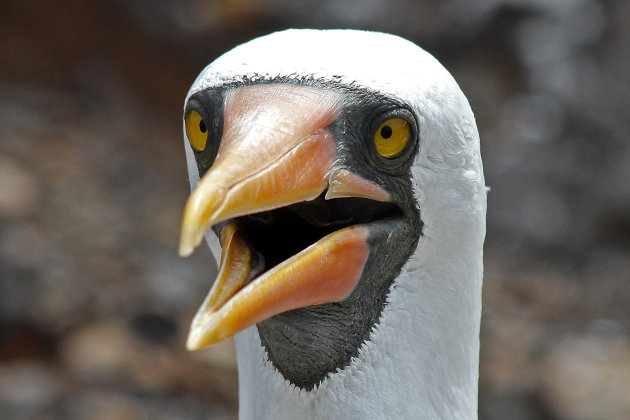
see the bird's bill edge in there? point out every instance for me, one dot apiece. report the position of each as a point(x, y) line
point(325, 272)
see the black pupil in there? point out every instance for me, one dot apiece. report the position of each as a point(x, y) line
point(386, 132)
point(202, 126)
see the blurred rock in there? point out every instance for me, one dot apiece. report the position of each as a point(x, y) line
point(107, 352)
point(18, 189)
point(28, 388)
point(113, 352)
point(104, 405)
point(95, 303)
point(98, 351)
point(99, 404)
point(586, 377)
point(173, 283)
point(509, 357)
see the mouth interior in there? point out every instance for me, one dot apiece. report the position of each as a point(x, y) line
point(281, 233)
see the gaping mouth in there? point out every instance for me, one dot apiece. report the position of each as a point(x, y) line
point(300, 255)
point(279, 234)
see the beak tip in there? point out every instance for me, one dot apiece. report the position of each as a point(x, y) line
point(192, 344)
point(200, 337)
point(184, 251)
point(188, 242)
point(195, 340)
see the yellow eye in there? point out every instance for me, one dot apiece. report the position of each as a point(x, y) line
point(196, 130)
point(391, 137)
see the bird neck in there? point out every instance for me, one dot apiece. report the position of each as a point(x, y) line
point(421, 360)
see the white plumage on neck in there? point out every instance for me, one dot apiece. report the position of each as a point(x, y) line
point(421, 360)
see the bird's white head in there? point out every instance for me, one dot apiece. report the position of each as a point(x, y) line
point(341, 172)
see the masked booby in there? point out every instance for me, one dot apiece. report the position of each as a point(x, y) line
point(338, 176)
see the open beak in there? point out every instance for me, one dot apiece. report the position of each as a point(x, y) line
point(276, 151)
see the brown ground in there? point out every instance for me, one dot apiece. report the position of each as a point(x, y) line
point(95, 303)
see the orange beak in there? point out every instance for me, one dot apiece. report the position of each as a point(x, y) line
point(276, 150)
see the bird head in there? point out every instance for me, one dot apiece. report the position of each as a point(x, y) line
point(321, 161)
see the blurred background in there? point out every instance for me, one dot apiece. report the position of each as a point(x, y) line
point(94, 301)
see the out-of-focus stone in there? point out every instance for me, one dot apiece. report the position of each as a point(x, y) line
point(25, 385)
point(24, 245)
point(587, 377)
point(508, 357)
point(18, 189)
point(172, 283)
point(104, 405)
point(98, 351)
point(109, 352)
point(93, 182)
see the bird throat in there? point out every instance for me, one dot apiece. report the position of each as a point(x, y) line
point(306, 345)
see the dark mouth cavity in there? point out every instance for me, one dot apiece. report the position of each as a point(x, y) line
point(281, 233)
